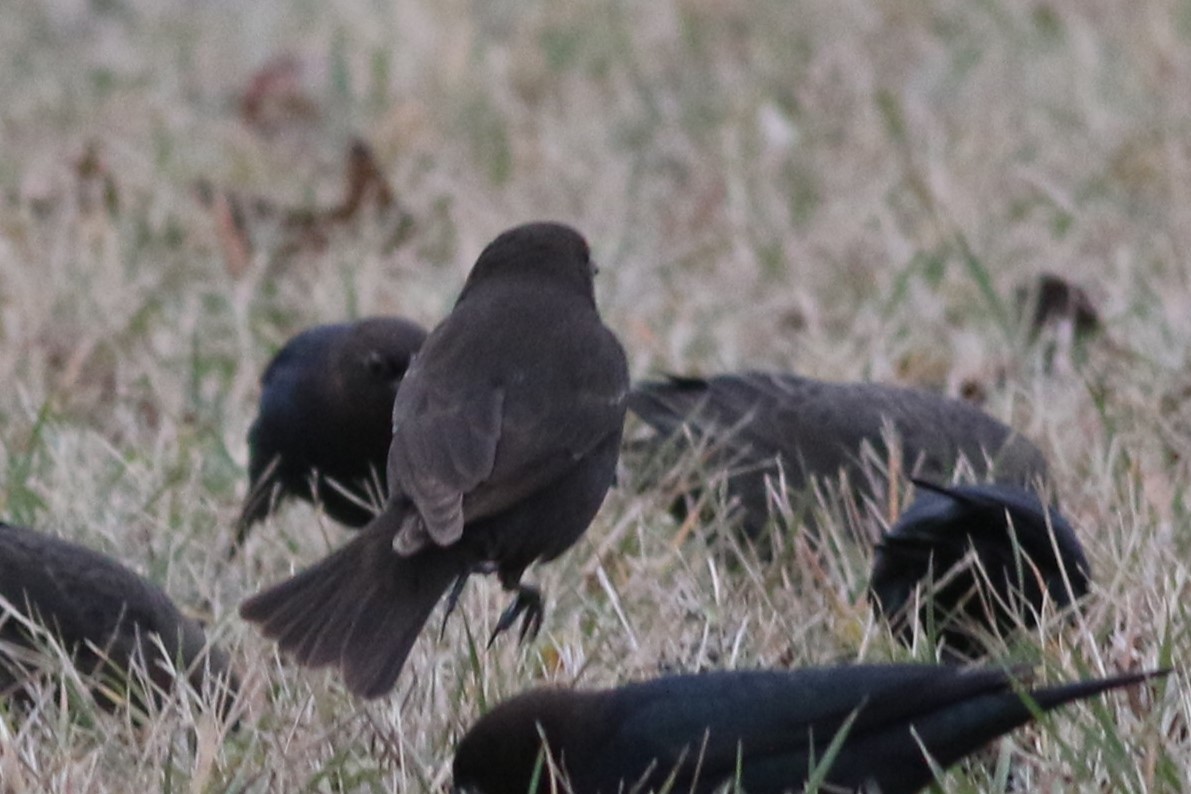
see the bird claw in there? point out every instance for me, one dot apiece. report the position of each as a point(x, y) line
point(453, 601)
point(528, 606)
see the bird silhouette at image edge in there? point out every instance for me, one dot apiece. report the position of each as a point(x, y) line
point(108, 619)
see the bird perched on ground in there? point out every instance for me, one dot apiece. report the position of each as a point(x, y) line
point(769, 731)
point(506, 432)
point(975, 559)
point(759, 427)
point(325, 420)
point(1050, 301)
point(108, 619)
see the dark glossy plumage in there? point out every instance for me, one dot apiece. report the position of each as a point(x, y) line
point(757, 425)
point(702, 729)
point(88, 602)
point(506, 433)
point(325, 421)
point(1028, 553)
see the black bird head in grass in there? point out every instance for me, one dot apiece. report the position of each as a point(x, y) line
point(969, 560)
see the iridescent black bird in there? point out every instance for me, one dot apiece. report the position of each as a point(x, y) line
point(105, 617)
point(767, 731)
point(507, 429)
point(975, 559)
point(762, 427)
point(325, 420)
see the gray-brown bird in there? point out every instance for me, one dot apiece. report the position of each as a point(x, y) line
point(767, 731)
point(325, 421)
point(506, 432)
point(759, 427)
point(107, 618)
point(970, 560)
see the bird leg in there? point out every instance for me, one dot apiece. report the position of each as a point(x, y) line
point(453, 600)
point(457, 591)
point(528, 605)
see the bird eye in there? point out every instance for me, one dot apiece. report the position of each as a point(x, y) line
point(378, 366)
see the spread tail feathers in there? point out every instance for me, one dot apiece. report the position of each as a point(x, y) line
point(361, 608)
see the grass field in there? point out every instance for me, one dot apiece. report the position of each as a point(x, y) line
point(851, 190)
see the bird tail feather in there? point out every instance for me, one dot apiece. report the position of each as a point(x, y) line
point(361, 608)
point(1052, 697)
point(960, 730)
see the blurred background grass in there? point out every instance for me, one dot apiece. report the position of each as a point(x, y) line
point(846, 189)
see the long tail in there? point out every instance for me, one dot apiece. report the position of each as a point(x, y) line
point(665, 405)
point(361, 608)
point(959, 730)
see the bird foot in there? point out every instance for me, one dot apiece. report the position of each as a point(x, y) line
point(453, 601)
point(457, 591)
point(528, 606)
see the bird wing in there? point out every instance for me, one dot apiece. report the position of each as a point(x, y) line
point(538, 447)
point(821, 425)
point(466, 446)
point(1033, 522)
point(760, 415)
point(726, 413)
point(443, 447)
point(718, 406)
point(774, 724)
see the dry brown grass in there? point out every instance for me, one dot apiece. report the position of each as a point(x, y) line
point(847, 189)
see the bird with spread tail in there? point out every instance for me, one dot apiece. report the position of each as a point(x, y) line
point(871, 728)
point(506, 433)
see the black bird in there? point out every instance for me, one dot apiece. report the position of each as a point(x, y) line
point(1050, 301)
point(768, 730)
point(975, 559)
point(325, 421)
point(507, 429)
point(760, 426)
point(106, 617)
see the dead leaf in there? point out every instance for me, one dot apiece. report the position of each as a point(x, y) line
point(230, 228)
point(240, 220)
point(95, 185)
point(276, 97)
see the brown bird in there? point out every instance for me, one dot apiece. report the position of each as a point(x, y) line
point(108, 619)
point(325, 420)
point(757, 731)
point(761, 427)
point(506, 432)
